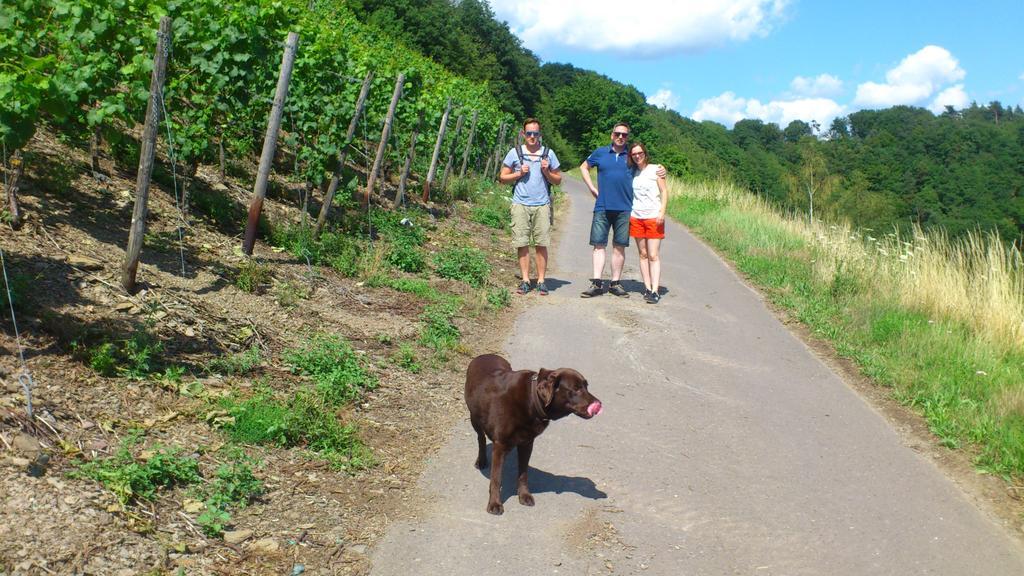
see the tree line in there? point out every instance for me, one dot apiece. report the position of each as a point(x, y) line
point(962, 170)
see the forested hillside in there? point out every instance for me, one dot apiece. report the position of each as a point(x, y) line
point(962, 170)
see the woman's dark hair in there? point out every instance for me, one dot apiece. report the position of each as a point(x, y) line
point(629, 156)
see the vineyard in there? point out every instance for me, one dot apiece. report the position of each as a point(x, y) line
point(175, 398)
point(83, 69)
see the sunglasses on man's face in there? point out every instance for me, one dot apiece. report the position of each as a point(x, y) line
point(620, 134)
point(532, 133)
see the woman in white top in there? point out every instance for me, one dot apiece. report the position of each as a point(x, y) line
point(647, 221)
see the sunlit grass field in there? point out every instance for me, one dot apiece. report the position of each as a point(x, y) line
point(940, 322)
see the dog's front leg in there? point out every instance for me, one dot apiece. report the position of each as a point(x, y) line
point(525, 449)
point(497, 461)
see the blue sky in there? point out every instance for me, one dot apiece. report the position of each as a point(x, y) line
point(780, 60)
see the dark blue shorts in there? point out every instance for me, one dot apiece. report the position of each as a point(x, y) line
point(616, 220)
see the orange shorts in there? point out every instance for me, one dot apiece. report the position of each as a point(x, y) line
point(646, 228)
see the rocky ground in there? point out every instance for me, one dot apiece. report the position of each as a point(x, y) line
point(311, 516)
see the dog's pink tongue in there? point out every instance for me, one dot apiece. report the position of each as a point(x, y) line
point(594, 409)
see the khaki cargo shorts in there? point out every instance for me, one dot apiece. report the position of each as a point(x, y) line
point(531, 225)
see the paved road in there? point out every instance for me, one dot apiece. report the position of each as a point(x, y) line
point(725, 447)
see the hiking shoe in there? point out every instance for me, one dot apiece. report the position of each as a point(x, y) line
point(596, 289)
point(542, 289)
point(617, 289)
point(523, 288)
point(652, 297)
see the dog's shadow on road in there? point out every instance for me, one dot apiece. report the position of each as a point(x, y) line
point(540, 481)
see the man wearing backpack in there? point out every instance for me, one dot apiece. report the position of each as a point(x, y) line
point(532, 169)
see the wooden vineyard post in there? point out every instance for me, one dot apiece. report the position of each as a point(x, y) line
point(147, 151)
point(491, 153)
point(13, 183)
point(400, 195)
point(497, 151)
point(340, 164)
point(259, 191)
point(384, 135)
point(437, 151)
point(451, 152)
point(220, 151)
point(469, 144)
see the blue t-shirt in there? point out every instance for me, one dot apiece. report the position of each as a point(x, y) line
point(614, 179)
point(531, 190)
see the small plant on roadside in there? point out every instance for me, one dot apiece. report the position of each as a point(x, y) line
point(102, 359)
point(415, 286)
point(491, 216)
point(132, 358)
point(466, 264)
point(406, 256)
point(288, 294)
point(499, 298)
point(252, 276)
point(138, 356)
point(236, 364)
point(305, 419)
point(332, 248)
point(233, 486)
point(462, 188)
point(335, 368)
point(405, 358)
point(133, 478)
point(172, 374)
point(439, 333)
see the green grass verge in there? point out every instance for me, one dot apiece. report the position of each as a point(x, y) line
point(967, 389)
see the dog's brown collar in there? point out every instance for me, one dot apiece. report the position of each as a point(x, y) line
point(535, 400)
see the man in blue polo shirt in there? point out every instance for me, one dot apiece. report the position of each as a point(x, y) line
point(613, 203)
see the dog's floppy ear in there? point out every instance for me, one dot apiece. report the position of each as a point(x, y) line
point(547, 381)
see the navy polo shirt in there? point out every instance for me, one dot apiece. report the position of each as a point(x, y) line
point(614, 179)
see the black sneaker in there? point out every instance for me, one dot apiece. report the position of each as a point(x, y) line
point(596, 289)
point(617, 289)
point(523, 288)
point(652, 297)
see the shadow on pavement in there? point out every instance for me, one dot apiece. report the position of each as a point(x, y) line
point(541, 482)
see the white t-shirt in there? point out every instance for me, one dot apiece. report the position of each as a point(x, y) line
point(646, 194)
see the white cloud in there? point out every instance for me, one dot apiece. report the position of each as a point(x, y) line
point(913, 81)
point(953, 96)
point(728, 109)
point(825, 85)
point(653, 27)
point(664, 98)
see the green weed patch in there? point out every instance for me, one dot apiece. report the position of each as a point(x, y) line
point(335, 368)
point(132, 478)
point(466, 264)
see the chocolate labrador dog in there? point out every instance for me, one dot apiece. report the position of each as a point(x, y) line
point(514, 407)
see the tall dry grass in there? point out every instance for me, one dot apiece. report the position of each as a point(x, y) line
point(977, 280)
